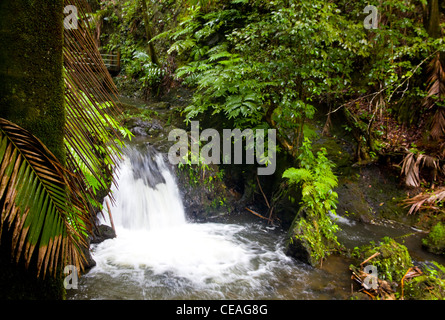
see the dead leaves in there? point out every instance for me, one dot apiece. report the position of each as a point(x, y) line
point(412, 165)
point(383, 289)
point(425, 201)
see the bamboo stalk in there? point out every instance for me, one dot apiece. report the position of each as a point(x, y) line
point(109, 214)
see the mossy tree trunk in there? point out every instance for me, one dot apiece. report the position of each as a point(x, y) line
point(32, 96)
point(149, 34)
point(31, 68)
point(432, 18)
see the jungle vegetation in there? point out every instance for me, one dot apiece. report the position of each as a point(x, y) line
point(254, 63)
point(277, 64)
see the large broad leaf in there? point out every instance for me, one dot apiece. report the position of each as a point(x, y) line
point(40, 202)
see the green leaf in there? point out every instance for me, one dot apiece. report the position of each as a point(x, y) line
point(38, 191)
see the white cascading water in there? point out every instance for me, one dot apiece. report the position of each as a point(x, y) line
point(148, 198)
point(158, 254)
point(152, 231)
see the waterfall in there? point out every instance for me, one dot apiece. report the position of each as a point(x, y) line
point(147, 197)
point(158, 254)
point(152, 230)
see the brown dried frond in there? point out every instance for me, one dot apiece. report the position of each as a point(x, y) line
point(413, 163)
point(425, 201)
point(438, 125)
point(436, 93)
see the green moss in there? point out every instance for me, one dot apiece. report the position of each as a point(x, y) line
point(31, 60)
point(32, 96)
point(426, 282)
point(310, 244)
point(428, 286)
point(435, 240)
point(392, 262)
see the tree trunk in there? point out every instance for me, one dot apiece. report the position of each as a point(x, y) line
point(32, 96)
point(149, 34)
point(31, 69)
point(282, 139)
point(432, 22)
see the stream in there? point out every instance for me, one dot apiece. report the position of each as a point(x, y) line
point(159, 255)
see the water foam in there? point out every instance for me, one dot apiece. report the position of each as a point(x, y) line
point(152, 231)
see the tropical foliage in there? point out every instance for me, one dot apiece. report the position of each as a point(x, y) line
point(255, 64)
point(47, 206)
point(314, 225)
point(265, 68)
point(41, 203)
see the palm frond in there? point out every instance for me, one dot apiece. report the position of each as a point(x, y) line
point(410, 169)
point(92, 137)
point(435, 94)
point(438, 124)
point(41, 203)
point(412, 165)
point(44, 204)
point(425, 201)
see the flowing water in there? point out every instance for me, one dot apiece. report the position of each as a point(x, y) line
point(158, 254)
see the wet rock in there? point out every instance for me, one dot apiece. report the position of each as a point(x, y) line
point(297, 249)
point(138, 131)
point(102, 233)
point(136, 122)
point(203, 194)
point(160, 105)
point(310, 238)
point(155, 128)
point(90, 262)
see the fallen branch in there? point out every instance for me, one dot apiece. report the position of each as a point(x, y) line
point(257, 214)
point(270, 214)
point(261, 189)
point(371, 257)
point(368, 293)
point(410, 273)
point(383, 289)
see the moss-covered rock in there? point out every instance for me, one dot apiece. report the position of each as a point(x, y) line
point(205, 193)
point(392, 261)
point(305, 243)
point(428, 286)
point(312, 238)
point(435, 240)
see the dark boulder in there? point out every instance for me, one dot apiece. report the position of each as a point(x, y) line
point(102, 233)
